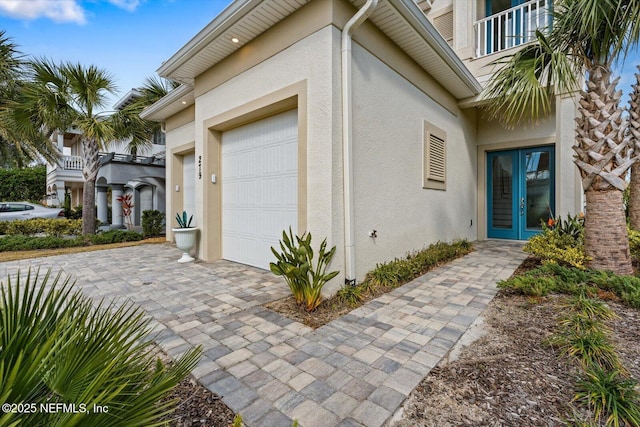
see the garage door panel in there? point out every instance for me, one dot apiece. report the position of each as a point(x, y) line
point(259, 187)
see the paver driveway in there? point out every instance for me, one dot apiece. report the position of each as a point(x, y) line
point(357, 370)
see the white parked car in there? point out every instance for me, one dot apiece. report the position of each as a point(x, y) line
point(10, 211)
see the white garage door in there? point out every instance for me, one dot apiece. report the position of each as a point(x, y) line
point(259, 187)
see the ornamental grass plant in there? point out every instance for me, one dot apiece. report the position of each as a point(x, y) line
point(57, 347)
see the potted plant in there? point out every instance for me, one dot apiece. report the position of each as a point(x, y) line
point(185, 236)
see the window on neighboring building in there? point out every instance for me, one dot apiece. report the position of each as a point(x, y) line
point(159, 138)
point(434, 157)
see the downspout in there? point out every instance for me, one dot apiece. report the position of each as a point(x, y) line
point(347, 149)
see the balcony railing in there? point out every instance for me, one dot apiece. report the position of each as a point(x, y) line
point(73, 163)
point(512, 27)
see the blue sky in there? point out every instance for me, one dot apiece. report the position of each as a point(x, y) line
point(128, 38)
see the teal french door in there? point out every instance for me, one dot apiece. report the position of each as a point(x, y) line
point(520, 191)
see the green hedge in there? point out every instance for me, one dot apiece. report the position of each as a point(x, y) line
point(51, 227)
point(23, 184)
point(27, 243)
point(115, 236)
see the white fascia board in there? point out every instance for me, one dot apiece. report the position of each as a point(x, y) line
point(158, 111)
point(228, 17)
point(133, 93)
point(418, 20)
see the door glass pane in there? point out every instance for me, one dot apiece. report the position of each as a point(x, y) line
point(502, 191)
point(538, 187)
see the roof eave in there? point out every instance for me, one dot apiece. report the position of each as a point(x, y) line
point(419, 22)
point(229, 16)
point(170, 104)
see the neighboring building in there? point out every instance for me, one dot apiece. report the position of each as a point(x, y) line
point(255, 133)
point(142, 175)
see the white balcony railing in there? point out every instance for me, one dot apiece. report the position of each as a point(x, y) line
point(512, 27)
point(73, 163)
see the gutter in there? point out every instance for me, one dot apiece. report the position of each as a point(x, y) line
point(347, 140)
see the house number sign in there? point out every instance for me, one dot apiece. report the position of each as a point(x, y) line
point(199, 167)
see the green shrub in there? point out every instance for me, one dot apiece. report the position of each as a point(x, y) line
point(152, 223)
point(611, 396)
point(51, 227)
point(115, 236)
point(590, 347)
point(27, 243)
point(75, 213)
point(352, 296)
point(399, 271)
point(295, 263)
point(573, 281)
point(634, 243)
point(560, 242)
point(58, 348)
point(4, 226)
point(23, 184)
point(63, 227)
point(572, 226)
point(26, 227)
point(530, 285)
point(552, 247)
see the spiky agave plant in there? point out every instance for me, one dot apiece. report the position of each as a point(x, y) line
point(184, 221)
point(57, 348)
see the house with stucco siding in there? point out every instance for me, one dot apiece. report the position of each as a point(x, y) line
point(359, 122)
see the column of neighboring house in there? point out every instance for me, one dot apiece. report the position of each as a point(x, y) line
point(60, 185)
point(117, 220)
point(102, 204)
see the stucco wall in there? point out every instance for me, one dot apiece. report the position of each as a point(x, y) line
point(307, 62)
point(178, 140)
point(389, 113)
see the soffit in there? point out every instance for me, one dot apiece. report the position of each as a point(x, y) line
point(401, 20)
point(244, 20)
point(407, 26)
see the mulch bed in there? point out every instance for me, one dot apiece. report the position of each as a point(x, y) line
point(198, 407)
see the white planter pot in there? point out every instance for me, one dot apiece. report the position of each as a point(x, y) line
point(185, 241)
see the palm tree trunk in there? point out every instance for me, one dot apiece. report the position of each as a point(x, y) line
point(603, 157)
point(606, 240)
point(634, 130)
point(89, 207)
point(90, 154)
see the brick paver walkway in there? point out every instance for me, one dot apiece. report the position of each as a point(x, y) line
point(356, 370)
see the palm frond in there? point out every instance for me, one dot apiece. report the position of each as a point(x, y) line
point(522, 89)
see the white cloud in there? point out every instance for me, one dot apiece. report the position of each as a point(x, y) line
point(56, 10)
point(129, 5)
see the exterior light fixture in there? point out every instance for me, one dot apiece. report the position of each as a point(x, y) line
point(234, 39)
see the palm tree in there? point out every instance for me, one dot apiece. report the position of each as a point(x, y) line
point(634, 131)
point(128, 118)
point(587, 36)
point(65, 96)
point(19, 145)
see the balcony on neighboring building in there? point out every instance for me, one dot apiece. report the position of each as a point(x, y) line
point(511, 27)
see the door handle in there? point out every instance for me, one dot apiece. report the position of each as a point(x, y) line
point(522, 206)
